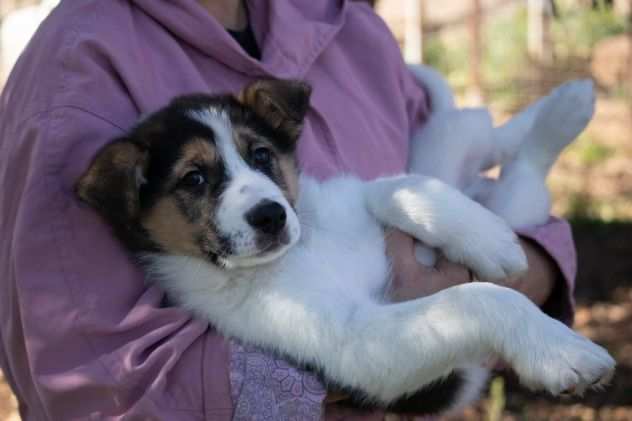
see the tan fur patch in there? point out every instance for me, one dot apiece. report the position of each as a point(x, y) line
point(287, 165)
point(274, 101)
point(114, 170)
point(197, 151)
point(170, 229)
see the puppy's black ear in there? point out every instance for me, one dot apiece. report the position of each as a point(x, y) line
point(111, 185)
point(281, 103)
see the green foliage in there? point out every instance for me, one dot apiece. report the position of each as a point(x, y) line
point(496, 403)
point(435, 55)
point(590, 151)
point(594, 153)
point(448, 58)
point(621, 91)
point(505, 53)
point(505, 59)
point(579, 29)
point(581, 207)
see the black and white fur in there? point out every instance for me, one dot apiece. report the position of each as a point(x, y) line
point(308, 281)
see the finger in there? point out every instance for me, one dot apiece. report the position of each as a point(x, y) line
point(399, 244)
point(400, 248)
point(453, 270)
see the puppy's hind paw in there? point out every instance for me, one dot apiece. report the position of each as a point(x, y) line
point(565, 114)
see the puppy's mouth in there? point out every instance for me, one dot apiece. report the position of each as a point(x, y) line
point(268, 249)
point(271, 244)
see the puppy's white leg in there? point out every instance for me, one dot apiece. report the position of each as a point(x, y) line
point(554, 120)
point(441, 96)
point(442, 217)
point(520, 195)
point(508, 137)
point(389, 350)
point(452, 146)
point(476, 377)
point(561, 118)
point(431, 336)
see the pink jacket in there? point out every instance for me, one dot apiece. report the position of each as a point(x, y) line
point(82, 335)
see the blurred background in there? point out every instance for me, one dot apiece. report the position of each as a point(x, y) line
point(504, 54)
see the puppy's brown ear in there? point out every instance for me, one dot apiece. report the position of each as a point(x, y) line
point(282, 103)
point(111, 185)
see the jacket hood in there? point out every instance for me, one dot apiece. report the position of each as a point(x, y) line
point(290, 33)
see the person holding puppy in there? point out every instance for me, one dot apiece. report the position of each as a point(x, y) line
point(82, 334)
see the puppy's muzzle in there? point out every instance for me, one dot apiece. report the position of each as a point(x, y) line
point(267, 217)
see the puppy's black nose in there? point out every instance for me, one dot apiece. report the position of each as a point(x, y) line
point(267, 216)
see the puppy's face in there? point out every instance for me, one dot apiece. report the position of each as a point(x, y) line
point(211, 177)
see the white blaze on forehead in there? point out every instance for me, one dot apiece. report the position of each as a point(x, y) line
point(246, 188)
point(219, 122)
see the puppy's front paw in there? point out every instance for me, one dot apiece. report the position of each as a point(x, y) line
point(562, 361)
point(488, 246)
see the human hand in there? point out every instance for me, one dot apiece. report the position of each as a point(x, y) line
point(537, 283)
point(413, 280)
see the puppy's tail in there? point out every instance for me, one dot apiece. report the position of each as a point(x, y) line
point(449, 395)
point(475, 379)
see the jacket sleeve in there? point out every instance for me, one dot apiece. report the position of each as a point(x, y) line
point(555, 238)
point(99, 342)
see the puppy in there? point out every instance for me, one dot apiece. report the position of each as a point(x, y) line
point(206, 193)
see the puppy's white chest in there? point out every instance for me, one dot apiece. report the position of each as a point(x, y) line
point(341, 239)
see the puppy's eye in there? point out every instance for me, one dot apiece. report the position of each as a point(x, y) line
point(261, 157)
point(193, 178)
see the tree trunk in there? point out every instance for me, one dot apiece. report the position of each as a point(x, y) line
point(476, 91)
point(413, 31)
point(623, 7)
point(539, 31)
point(629, 75)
